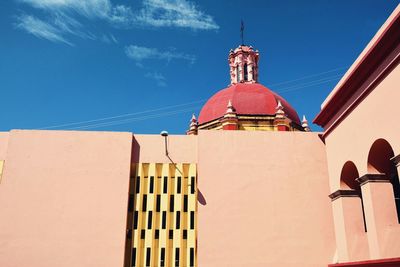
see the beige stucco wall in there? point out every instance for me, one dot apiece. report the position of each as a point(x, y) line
point(263, 197)
point(149, 148)
point(265, 200)
point(63, 199)
point(375, 117)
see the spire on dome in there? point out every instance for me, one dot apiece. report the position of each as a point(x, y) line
point(304, 124)
point(279, 112)
point(230, 108)
point(230, 119)
point(193, 126)
point(243, 63)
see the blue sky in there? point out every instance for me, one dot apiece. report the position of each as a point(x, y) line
point(147, 65)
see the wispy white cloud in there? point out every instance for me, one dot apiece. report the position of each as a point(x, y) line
point(140, 53)
point(92, 9)
point(64, 18)
point(175, 13)
point(158, 77)
point(109, 39)
point(61, 20)
point(68, 25)
point(41, 29)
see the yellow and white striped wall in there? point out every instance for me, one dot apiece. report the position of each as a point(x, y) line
point(162, 215)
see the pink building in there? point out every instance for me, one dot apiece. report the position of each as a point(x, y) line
point(249, 185)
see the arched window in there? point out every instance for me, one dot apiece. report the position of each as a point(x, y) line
point(348, 181)
point(379, 162)
point(245, 72)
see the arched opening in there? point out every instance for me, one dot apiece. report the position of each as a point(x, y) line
point(348, 177)
point(379, 161)
point(348, 181)
point(245, 72)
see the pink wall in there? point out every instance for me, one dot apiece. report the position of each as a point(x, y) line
point(372, 114)
point(374, 118)
point(265, 200)
point(151, 148)
point(352, 140)
point(63, 199)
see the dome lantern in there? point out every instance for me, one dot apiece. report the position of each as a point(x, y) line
point(243, 63)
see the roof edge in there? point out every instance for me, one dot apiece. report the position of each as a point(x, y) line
point(373, 54)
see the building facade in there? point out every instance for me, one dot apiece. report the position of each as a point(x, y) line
point(249, 185)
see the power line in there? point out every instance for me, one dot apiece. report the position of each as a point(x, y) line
point(311, 83)
point(122, 115)
point(308, 76)
point(90, 126)
point(109, 121)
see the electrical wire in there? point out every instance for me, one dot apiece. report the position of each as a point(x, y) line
point(115, 120)
point(122, 115)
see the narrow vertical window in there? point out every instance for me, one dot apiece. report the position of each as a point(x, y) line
point(237, 74)
point(130, 203)
point(192, 184)
point(144, 204)
point(135, 220)
point(162, 257)
point(165, 187)
point(148, 256)
point(191, 257)
point(156, 234)
point(164, 219)
point(192, 220)
point(171, 234)
point(178, 220)
point(185, 203)
point(176, 257)
point(151, 186)
point(245, 72)
point(138, 184)
point(150, 220)
point(134, 257)
point(171, 203)
point(158, 203)
point(179, 185)
point(142, 234)
point(184, 234)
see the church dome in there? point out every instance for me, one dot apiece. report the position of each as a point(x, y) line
point(245, 104)
point(247, 99)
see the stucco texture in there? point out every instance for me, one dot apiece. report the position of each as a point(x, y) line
point(263, 200)
point(63, 199)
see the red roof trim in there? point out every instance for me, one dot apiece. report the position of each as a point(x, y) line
point(392, 262)
point(382, 48)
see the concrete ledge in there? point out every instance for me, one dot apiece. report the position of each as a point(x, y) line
point(393, 262)
point(373, 178)
point(343, 193)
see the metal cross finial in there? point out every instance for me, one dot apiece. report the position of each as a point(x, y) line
point(242, 31)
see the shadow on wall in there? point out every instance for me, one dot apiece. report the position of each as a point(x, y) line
point(135, 155)
point(135, 151)
point(201, 198)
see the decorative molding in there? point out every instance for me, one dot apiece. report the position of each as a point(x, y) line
point(390, 262)
point(396, 160)
point(373, 178)
point(344, 193)
point(369, 70)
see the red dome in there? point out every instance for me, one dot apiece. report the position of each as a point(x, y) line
point(247, 99)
